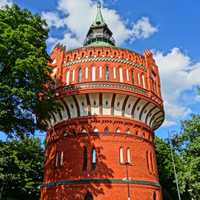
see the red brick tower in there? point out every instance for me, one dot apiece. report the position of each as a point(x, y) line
point(100, 145)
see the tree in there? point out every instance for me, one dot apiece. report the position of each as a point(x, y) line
point(187, 160)
point(24, 73)
point(21, 169)
point(188, 145)
point(165, 168)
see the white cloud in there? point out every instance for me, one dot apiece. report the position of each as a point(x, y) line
point(178, 74)
point(143, 29)
point(168, 123)
point(3, 3)
point(79, 15)
point(53, 19)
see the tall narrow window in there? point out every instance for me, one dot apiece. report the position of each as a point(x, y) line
point(85, 158)
point(83, 130)
point(139, 82)
point(147, 159)
point(88, 196)
point(133, 77)
point(127, 74)
point(152, 163)
point(107, 73)
point(121, 158)
point(57, 159)
point(73, 75)
point(154, 196)
point(128, 155)
point(95, 130)
point(93, 73)
point(61, 158)
point(153, 82)
point(80, 75)
point(114, 72)
point(120, 74)
point(86, 73)
point(94, 158)
point(106, 130)
point(100, 72)
point(117, 130)
point(67, 78)
point(143, 81)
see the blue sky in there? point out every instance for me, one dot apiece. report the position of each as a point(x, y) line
point(169, 28)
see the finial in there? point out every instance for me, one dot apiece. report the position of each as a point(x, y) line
point(98, 4)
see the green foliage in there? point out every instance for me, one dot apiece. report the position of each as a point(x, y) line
point(165, 168)
point(187, 161)
point(188, 145)
point(23, 72)
point(21, 164)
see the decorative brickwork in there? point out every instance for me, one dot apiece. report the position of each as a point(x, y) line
point(100, 144)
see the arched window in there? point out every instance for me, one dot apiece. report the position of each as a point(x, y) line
point(96, 130)
point(100, 72)
point(128, 155)
point(85, 158)
point(143, 81)
point(57, 159)
point(106, 130)
point(153, 82)
point(88, 196)
point(80, 75)
point(107, 73)
point(152, 162)
point(117, 130)
point(114, 72)
point(61, 158)
point(133, 77)
point(139, 82)
point(154, 196)
point(128, 131)
point(73, 75)
point(94, 158)
point(93, 73)
point(86, 73)
point(120, 74)
point(67, 77)
point(127, 74)
point(83, 130)
point(121, 158)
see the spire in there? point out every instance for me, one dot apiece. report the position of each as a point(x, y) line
point(99, 34)
point(99, 18)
